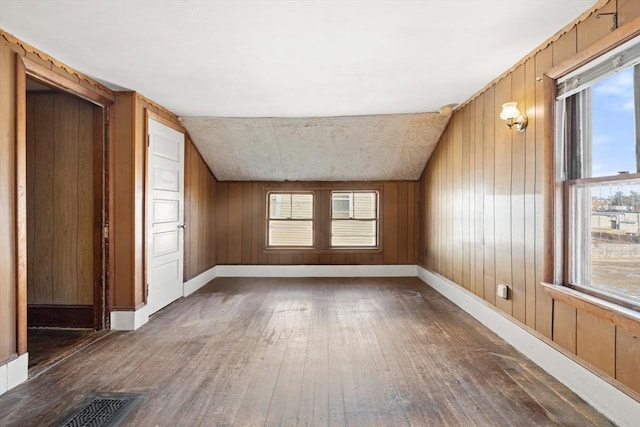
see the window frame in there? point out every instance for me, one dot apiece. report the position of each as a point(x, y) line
point(567, 178)
point(375, 218)
point(321, 220)
point(268, 219)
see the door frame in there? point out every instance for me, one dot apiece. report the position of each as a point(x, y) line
point(26, 67)
point(151, 115)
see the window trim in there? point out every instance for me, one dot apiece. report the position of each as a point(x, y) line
point(322, 218)
point(376, 218)
point(560, 210)
point(268, 219)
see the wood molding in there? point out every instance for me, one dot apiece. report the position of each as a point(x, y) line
point(609, 42)
point(21, 205)
point(621, 316)
point(172, 120)
point(61, 316)
point(49, 78)
point(25, 49)
point(173, 124)
point(534, 52)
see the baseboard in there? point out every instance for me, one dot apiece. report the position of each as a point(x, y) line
point(60, 316)
point(603, 396)
point(129, 320)
point(316, 271)
point(192, 285)
point(14, 373)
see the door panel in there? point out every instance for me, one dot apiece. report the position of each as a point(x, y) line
point(165, 215)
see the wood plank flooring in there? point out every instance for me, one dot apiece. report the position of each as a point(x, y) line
point(307, 352)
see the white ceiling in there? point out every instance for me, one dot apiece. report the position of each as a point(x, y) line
point(256, 59)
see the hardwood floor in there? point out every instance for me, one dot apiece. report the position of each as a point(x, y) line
point(308, 352)
point(47, 346)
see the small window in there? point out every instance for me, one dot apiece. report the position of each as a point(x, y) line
point(290, 219)
point(354, 219)
point(598, 128)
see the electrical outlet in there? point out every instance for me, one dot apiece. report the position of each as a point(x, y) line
point(503, 291)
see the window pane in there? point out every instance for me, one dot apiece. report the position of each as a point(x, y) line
point(353, 233)
point(290, 206)
point(302, 206)
point(605, 244)
point(279, 206)
point(613, 125)
point(341, 205)
point(364, 205)
point(290, 233)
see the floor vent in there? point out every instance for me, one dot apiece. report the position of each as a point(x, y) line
point(101, 410)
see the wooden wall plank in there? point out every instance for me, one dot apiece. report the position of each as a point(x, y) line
point(40, 274)
point(529, 195)
point(456, 202)
point(488, 166)
point(247, 222)
point(403, 217)
point(465, 214)
point(565, 46)
point(627, 10)
point(193, 213)
point(31, 148)
point(564, 325)
point(471, 244)
point(390, 222)
point(65, 203)
point(502, 196)
point(222, 213)
point(592, 29)
point(627, 351)
point(86, 203)
point(518, 150)
point(596, 342)
point(478, 189)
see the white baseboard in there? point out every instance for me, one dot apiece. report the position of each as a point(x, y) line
point(192, 285)
point(129, 320)
point(14, 373)
point(604, 397)
point(316, 271)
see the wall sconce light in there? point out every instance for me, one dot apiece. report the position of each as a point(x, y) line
point(512, 115)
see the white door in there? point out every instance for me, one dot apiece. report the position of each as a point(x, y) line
point(165, 215)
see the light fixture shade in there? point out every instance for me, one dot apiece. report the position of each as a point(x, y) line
point(509, 111)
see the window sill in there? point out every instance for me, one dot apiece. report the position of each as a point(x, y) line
point(622, 316)
point(318, 251)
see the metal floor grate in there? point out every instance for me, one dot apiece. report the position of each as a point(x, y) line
point(101, 410)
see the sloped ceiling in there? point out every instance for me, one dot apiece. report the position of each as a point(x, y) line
point(225, 65)
point(395, 147)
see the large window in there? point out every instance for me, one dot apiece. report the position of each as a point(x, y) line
point(290, 219)
point(598, 112)
point(354, 219)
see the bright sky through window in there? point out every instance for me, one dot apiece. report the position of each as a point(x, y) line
point(613, 125)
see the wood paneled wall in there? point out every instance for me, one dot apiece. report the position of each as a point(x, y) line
point(10, 300)
point(60, 199)
point(240, 224)
point(200, 202)
point(488, 198)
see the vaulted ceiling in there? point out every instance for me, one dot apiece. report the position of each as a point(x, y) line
point(293, 90)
